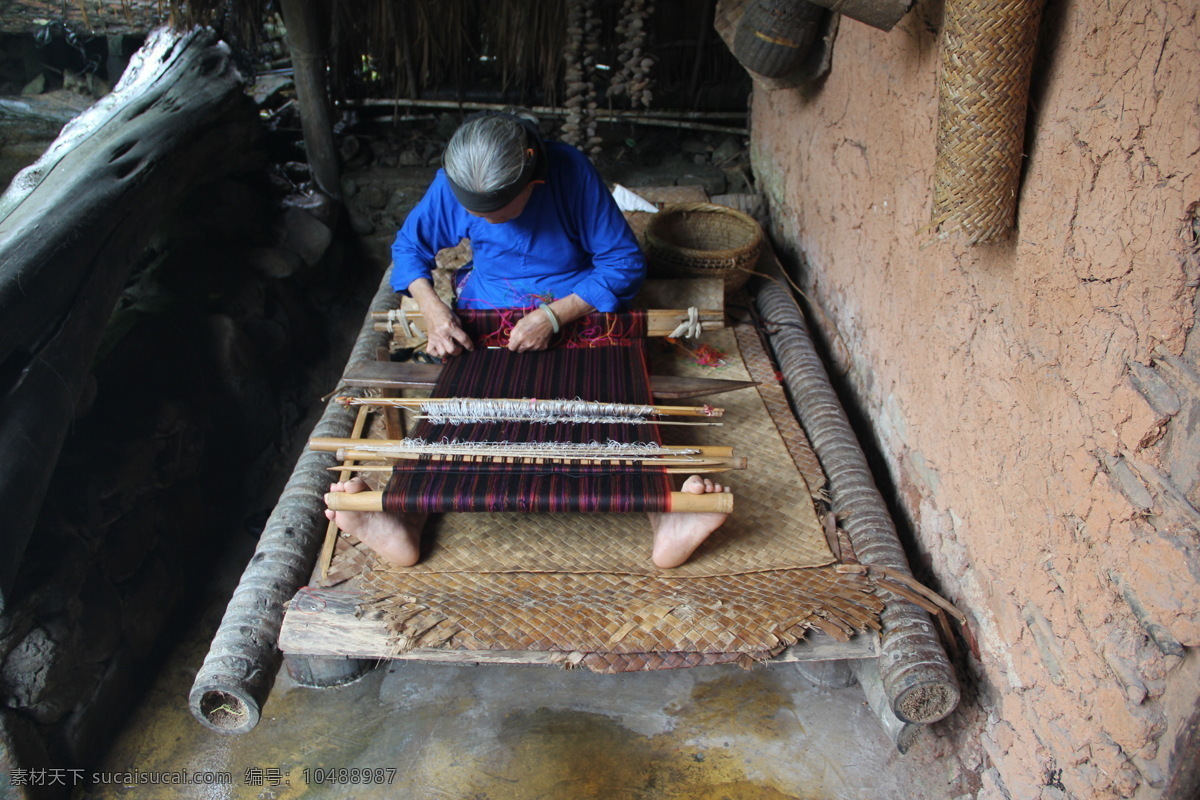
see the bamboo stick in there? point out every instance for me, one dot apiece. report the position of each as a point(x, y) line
point(418, 402)
point(334, 443)
point(711, 502)
point(693, 469)
point(331, 531)
point(735, 462)
point(659, 321)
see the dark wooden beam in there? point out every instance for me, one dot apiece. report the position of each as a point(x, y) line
point(73, 223)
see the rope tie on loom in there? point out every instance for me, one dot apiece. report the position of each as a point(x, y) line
point(690, 327)
point(395, 315)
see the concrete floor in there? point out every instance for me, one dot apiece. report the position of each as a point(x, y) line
point(497, 732)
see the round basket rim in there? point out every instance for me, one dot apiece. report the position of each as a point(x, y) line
point(679, 208)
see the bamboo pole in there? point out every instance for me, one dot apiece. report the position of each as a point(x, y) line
point(334, 443)
point(693, 469)
point(544, 405)
point(711, 502)
point(659, 321)
point(734, 462)
point(331, 530)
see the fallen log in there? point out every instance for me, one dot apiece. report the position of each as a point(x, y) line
point(236, 677)
point(73, 223)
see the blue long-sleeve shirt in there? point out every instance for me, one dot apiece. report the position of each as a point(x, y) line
point(571, 238)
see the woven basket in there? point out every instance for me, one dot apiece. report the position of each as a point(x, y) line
point(703, 240)
point(983, 95)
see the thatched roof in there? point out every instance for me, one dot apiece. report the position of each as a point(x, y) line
point(512, 49)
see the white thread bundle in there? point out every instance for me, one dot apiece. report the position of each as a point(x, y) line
point(690, 328)
point(626, 451)
point(466, 410)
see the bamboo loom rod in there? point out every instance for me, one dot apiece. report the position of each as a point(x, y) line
point(419, 402)
point(733, 462)
point(694, 469)
point(659, 322)
point(711, 502)
point(333, 443)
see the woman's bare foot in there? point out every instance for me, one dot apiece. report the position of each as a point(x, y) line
point(395, 537)
point(677, 534)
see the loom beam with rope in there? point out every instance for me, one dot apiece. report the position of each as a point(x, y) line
point(600, 362)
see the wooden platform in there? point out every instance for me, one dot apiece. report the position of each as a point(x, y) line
point(794, 603)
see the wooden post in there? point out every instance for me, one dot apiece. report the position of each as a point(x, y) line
point(306, 43)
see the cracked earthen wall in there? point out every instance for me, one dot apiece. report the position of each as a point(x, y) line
point(1035, 401)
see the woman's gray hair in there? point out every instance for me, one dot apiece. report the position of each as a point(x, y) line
point(488, 153)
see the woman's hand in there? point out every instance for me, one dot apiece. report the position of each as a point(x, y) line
point(445, 334)
point(532, 332)
point(535, 330)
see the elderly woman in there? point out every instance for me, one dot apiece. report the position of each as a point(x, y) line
point(546, 236)
point(545, 233)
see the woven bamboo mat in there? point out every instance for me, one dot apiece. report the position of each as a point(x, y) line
point(774, 524)
point(584, 585)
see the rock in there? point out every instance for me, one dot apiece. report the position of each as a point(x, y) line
point(349, 187)
point(146, 605)
point(694, 146)
point(127, 542)
point(712, 179)
point(35, 86)
point(447, 124)
point(320, 205)
point(275, 262)
point(372, 197)
point(410, 158)
point(361, 223)
point(729, 149)
point(305, 235)
point(26, 670)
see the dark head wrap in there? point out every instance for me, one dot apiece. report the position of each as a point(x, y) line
point(534, 169)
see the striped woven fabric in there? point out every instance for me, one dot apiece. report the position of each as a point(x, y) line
point(490, 328)
point(590, 363)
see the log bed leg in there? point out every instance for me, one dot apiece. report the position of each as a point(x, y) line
point(902, 733)
point(323, 672)
point(833, 674)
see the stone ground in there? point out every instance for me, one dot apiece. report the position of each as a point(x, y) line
point(493, 732)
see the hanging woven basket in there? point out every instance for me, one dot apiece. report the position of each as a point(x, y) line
point(703, 240)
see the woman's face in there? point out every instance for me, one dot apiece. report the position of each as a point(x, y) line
point(510, 211)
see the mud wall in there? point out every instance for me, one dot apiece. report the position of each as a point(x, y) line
point(1033, 401)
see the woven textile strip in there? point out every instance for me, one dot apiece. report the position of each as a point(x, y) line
point(601, 359)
